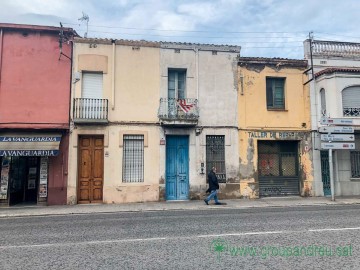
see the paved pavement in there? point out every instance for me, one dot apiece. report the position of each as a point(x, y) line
point(19, 211)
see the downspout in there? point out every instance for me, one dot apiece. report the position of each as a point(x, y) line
point(68, 132)
point(196, 50)
point(113, 75)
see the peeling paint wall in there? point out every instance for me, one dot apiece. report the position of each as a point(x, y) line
point(257, 123)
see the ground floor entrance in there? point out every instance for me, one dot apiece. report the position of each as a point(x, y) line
point(177, 167)
point(91, 169)
point(278, 167)
point(23, 180)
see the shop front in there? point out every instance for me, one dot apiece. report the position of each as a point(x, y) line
point(24, 169)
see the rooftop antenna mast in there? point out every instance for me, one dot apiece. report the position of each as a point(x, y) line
point(85, 17)
point(62, 39)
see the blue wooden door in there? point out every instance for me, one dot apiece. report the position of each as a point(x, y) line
point(177, 167)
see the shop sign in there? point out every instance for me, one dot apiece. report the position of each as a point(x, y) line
point(28, 153)
point(30, 139)
point(274, 134)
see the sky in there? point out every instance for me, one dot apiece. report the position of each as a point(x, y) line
point(263, 28)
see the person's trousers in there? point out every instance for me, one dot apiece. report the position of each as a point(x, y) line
point(213, 194)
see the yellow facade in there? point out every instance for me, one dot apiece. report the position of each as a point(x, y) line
point(264, 172)
point(132, 110)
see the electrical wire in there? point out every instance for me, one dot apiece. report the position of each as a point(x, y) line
point(194, 31)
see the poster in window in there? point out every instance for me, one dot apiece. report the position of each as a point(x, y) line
point(43, 191)
point(5, 167)
point(32, 178)
point(43, 177)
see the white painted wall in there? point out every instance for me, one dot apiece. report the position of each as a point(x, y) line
point(333, 85)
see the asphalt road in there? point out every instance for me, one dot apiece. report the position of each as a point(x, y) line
point(324, 237)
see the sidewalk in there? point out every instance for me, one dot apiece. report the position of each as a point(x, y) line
point(22, 211)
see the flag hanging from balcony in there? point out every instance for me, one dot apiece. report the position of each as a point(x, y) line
point(184, 106)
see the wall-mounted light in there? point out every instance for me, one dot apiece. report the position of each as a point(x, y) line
point(202, 168)
point(198, 131)
point(77, 76)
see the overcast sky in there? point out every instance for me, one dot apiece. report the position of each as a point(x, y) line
point(263, 28)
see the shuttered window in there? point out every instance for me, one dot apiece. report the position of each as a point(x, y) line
point(323, 101)
point(92, 85)
point(351, 101)
point(275, 98)
point(133, 158)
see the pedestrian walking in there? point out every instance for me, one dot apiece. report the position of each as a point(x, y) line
point(213, 187)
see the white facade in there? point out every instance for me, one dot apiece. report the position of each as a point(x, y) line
point(336, 67)
point(211, 79)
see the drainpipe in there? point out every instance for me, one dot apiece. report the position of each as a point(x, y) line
point(196, 50)
point(113, 75)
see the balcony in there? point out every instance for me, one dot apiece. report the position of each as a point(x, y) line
point(351, 112)
point(178, 112)
point(90, 111)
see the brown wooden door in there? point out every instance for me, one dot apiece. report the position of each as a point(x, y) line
point(91, 169)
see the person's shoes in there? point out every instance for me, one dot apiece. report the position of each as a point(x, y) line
point(220, 203)
point(207, 203)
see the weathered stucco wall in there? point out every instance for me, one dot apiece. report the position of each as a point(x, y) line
point(211, 77)
point(257, 123)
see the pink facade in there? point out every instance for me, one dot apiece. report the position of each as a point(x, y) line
point(35, 83)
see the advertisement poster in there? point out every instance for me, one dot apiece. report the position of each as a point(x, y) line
point(43, 177)
point(32, 178)
point(5, 168)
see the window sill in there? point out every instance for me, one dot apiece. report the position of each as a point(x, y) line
point(277, 109)
point(355, 179)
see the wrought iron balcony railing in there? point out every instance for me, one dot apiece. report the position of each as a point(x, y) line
point(178, 109)
point(90, 110)
point(351, 112)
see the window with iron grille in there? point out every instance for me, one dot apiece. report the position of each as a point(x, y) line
point(215, 156)
point(275, 97)
point(133, 158)
point(355, 164)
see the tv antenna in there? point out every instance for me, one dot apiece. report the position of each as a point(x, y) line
point(85, 17)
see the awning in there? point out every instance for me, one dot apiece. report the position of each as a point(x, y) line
point(34, 144)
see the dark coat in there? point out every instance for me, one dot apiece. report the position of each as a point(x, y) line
point(213, 181)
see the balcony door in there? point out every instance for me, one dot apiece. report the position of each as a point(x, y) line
point(92, 94)
point(176, 89)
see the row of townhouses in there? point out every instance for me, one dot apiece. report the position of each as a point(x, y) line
point(114, 121)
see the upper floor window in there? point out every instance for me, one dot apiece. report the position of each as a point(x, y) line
point(351, 101)
point(275, 97)
point(176, 83)
point(92, 85)
point(323, 101)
